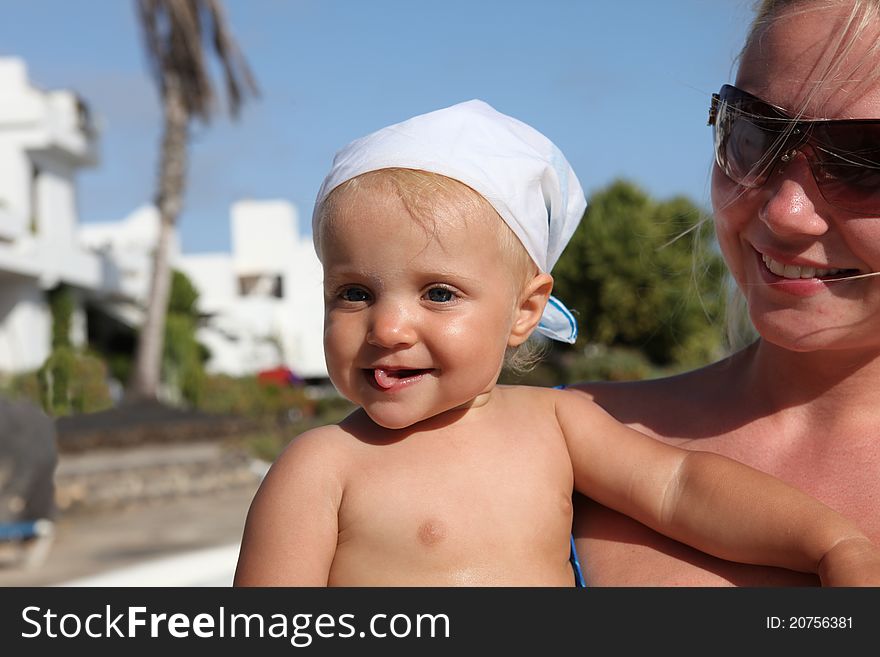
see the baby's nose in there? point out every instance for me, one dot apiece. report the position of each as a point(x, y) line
point(391, 326)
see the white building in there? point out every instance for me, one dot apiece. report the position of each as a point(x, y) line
point(45, 138)
point(263, 303)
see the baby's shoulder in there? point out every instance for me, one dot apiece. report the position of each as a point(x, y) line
point(561, 402)
point(528, 397)
point(324, 438)
point(541, 395)
point(324, 447)
point(569, 405)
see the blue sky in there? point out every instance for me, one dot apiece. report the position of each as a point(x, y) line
point(621, 87)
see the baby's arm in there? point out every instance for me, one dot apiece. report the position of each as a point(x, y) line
point(290, 533)
point(711, 502)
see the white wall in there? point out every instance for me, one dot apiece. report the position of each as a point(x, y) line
point(15, 210)
point(303, 311)
point(264, 235)
point(127, 246)
point(25, 325)
point(250, 332)
point(46, 137)
point(213, 275)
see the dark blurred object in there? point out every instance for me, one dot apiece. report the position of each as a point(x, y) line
point(28, 457)
point(138, 423)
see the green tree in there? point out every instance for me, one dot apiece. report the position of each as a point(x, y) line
point(70, 380)
point(182, 362)
point(644, 275)
point(61, 306)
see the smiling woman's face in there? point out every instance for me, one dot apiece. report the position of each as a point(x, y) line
point(782, 241)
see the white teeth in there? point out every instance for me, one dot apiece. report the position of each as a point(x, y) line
point(791, 271)
point(794, 271)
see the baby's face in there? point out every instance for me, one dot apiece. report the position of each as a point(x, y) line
point(417, 319)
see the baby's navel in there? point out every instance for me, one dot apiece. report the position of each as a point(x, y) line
point(431, 533)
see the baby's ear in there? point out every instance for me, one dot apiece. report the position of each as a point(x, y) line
point(531, 306)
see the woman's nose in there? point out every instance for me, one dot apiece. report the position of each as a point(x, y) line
point(793, 201)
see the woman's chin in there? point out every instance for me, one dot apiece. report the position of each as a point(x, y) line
point(804, 337)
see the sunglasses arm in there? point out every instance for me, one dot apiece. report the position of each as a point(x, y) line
point(713, 109)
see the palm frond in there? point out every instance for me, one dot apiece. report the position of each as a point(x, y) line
point(174, 35)
point(237, 73)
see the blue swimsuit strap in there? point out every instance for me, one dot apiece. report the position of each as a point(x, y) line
point(573, 557)
point(576, 567)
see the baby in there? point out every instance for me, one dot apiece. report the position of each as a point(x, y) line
point(436, 236)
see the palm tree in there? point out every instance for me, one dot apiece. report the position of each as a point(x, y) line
point(176, 33)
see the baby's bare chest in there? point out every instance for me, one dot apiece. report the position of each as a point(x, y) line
point(509, 475)
point(452, 508)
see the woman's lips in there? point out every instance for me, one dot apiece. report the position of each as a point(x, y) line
point(798, 280)
point(797, 272)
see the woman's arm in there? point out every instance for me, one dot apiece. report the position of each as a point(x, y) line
point(711, 502)
point(290, 534)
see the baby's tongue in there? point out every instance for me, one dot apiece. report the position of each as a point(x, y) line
point(383, 378)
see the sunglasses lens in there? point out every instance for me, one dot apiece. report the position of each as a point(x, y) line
point(748, 136)
point(844, 155)
point(741, 149)
point(847, 167)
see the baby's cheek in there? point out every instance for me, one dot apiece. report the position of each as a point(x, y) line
point(338, 359)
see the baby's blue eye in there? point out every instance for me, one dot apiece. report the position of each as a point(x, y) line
point(355, 295)
point(440, 295)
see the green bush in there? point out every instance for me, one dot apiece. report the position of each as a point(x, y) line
point(25, 385)
point(73, 382)
point(332, 408)
point(251, 398)
point(269, 442)
point(646, 275)
point(183, 358)
point(61, 305)
point(594, 362)
point(182, 363)
point(599, 363)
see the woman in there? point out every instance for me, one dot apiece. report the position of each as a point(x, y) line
point(797, 214)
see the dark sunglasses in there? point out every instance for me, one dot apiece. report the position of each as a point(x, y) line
point(754, 139)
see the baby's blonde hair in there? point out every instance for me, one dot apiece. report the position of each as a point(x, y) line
point(423, 194)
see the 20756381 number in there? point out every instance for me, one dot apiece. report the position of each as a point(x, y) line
point(809, 623)
point(820, 622)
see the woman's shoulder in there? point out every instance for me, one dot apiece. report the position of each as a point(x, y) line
point(659, 406)
point(647, 389)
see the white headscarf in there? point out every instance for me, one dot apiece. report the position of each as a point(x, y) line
point(520, 172)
